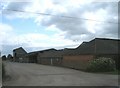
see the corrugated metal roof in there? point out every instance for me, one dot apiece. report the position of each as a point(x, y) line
point(95, 46)
point(20, 48)
point(99, 46)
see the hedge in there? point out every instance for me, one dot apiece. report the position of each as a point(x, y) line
point(101, 64)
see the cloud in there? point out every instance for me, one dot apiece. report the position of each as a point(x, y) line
point(16, 5)
point(11, 9)
point(4, 35)
point(100, 14)
point(31, 41)
point(4, 30)
point(69, 31)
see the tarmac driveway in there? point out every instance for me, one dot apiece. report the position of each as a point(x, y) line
point(29, 74)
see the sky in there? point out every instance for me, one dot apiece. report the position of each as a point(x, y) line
point(43, 24)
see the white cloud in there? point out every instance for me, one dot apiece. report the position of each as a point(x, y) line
point(96, 18)
point(39, 6)
point(16, 0)
point(43, 40)
point(106, 0)
point(99, 15)
point(8, 37)
point(68, 31)
point(5, 28)
point(53, 28)
point(74, 1)
point(4, 31)
point(98, 11)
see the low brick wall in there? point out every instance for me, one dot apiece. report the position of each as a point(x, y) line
point(77, 62)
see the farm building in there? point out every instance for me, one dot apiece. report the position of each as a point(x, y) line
point(50, 57)
point(77, 58)
point(19, 54)
point(98, 47)
point(32, 57)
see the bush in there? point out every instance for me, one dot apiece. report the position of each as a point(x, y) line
point(101, 64)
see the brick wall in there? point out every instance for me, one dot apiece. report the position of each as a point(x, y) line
point(77, 62)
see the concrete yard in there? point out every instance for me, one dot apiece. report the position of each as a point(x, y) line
point(29, 74)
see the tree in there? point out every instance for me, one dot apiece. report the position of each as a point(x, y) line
point(4, 57)
point(9, 57)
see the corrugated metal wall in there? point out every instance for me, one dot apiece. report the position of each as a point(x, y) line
point(50, 60)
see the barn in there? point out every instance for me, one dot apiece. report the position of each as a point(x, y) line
point(98, 47)
point(32, 57)
point(50, 57)
point(19, 54)
point(77, 58)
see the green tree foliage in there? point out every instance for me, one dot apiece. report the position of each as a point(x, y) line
point(9, 57)
point(101, 64)
point(4, 57)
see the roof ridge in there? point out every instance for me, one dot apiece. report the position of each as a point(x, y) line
point(107, 39)
point(18, 48)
